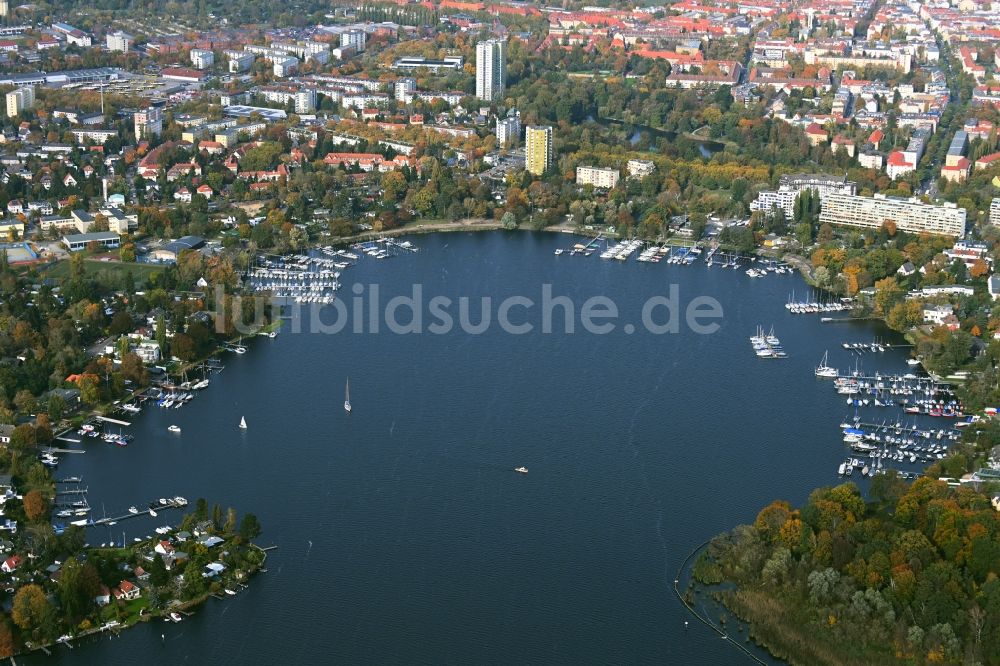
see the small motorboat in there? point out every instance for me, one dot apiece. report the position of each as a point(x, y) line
point(132, 509)
point(176, 617)
point(521, 470)
point(174, 428)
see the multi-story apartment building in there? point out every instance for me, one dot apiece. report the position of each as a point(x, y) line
point(909, 215)
point(597, 176)
point(538, 149)
point(491, 68)
point(19, 100)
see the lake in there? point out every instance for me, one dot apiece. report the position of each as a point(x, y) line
point(403, 533)
point(706, 147)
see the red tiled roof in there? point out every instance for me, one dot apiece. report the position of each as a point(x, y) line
point(897, 158)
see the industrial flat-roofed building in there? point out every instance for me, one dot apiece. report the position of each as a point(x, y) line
point(408, 63)
point(169, 252)
point(77, 242)
point(909, 215)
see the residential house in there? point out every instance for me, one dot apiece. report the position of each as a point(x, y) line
point(126, 591)
point(815, 134)
point(11, 563)
point(936, 314)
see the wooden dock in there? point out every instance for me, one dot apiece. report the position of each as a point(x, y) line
point(115, 421)
point(145, 512)
point(903, 429)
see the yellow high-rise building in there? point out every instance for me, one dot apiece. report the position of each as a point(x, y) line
point(538, 149)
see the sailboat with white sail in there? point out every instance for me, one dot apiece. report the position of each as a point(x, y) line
point(243, 423)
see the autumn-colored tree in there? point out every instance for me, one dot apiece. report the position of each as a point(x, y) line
point(25, 402)
point(887, 294)
point(7, 644)
point(790, 534)
point(979, 268)
point(133, 369)
point(904, 315)
point(35, 505)
point(771, 519)
point(31, 609)
point(851, 273)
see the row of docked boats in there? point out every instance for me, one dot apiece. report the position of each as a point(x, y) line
point(653, 254)
point(685, 256)
point(870, 468)
point(338, 255)
point(892, 385)
point(306, 262)
point(950, 409)
point(895, 433)
point(372, 249)
point(767, 345)
point(383, 248)
point(892, 445)
point(866, 346)
point(622, 250)
point(300, 278)
point(816, 307)
point(770, 268)
point(174, 400)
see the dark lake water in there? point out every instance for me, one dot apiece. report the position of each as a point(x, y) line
point(403, 534)
point(707, 147)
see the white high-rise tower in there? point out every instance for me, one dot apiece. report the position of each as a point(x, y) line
point(491, 69)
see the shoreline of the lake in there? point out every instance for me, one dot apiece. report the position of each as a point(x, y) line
point(498, 256)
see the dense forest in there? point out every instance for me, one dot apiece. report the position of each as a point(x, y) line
point(908, 576)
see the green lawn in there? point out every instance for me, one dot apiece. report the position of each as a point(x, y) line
point(133, 608)
point(106, 271)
